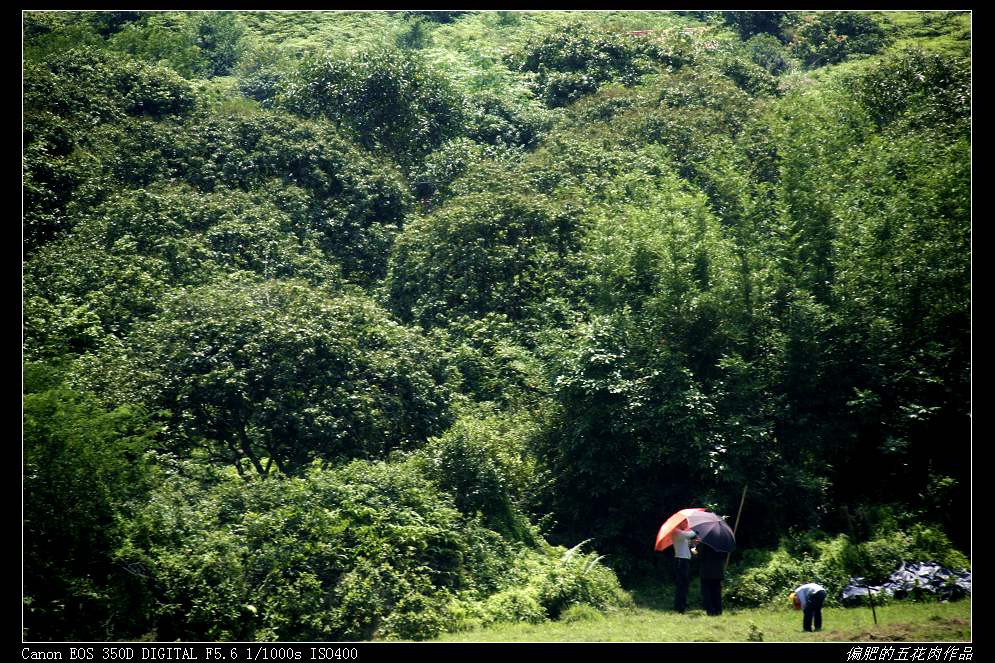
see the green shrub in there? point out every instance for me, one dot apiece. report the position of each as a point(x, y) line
point(482, 463)
point(493, 363)
point(923, 90)
point(932, 544)
point(575, 61)
point(768, 577)
point(829, 37)
point(497, 120)
point(514, 605)
point(353, 202)
point(389, 98)
point(463, 615)
point(581, 613)
point(768, 52)
point(763, 577)
point(575, 578)
point(498, 252)
point(218, 35)
point(368, 550)
point(70, 98)
point(78, 83)
point(882, 554)
point(756, 23)
point(432, 180)
point(193, 43)
point(110, 22)
point(84, 474)
point(152, 90)
point(544, 584)
point(726, 107)
point(279, 373)
point(749, 76)
point(127, 251)
point(46, 33)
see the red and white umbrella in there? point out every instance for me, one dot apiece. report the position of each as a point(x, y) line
point(711, 529)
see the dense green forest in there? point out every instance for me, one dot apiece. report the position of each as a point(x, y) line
point(352, 325)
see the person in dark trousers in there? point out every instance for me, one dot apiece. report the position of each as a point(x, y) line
point(809, 599)
point(682, 556)
point(712, 572)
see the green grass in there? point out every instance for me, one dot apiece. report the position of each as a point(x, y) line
point(896, 622)
point(948, 32)
point(308, 31)
point(469, 50)
point(484, 33)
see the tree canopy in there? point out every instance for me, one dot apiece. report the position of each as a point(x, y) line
point(379, 324)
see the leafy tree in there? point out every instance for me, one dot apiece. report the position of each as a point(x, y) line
point(110, 22)
point(691, 273)
point(161, 37)
point(416, 36)
point(76, 293)
point(83, 474)
point(49, 33)
point(577, 60)
point(642, 419)
point(279, 374)
point(633, 435)
point(192, 43)
point(810, 142)
point(261, 71)
point(919, 89)
point(749, 76)
point(493, 363)
point(486, 465)
point(135, 246)
point(904, 283)
point(66, 97)
point(437, 16)
point(841, 343)
point(752, 23)
point(494, 120)
point(768, 52)
point(219, 36)
point(830, 37)
point(351, 202)
point(480, 254)
point(389, 98)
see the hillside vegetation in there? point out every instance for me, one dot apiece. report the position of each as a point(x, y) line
point(382, 325)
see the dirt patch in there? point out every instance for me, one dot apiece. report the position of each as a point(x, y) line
point(886, 634)
point(910, 632)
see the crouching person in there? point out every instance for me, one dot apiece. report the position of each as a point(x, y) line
point(809, 599)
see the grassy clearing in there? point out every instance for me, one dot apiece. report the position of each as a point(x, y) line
point(469, 49)
point(301, 31)
point(899, 622)
point(947, 32)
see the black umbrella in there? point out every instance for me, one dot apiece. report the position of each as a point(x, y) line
point(713, 531)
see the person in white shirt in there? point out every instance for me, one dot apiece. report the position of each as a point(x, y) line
point(682, 554)
point(809, 599)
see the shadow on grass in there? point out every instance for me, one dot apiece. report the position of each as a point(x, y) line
point(661, 596)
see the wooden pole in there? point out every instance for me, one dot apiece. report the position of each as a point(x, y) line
point(736, 526)
point(870, 592)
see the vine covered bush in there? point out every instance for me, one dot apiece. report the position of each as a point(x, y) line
point(573, 62)
point(765, 577)
point(366, 550)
